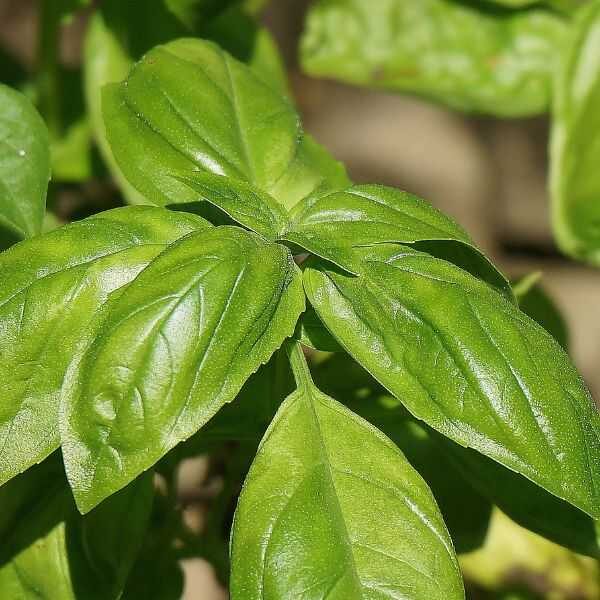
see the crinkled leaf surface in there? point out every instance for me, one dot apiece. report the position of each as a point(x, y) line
point(466, 512)
point(246, 205)
point(24, 165)
point(50, 552)
point(119, 33)
point(246, 129)
point(468, 55)
point(575, 153)
point(51, 288)
point(330, 226)
point(332, 509)
point(174, 347)
point(468, 363)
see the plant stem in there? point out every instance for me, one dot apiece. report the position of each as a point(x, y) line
point(299, 365)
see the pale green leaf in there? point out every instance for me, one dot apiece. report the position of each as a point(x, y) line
point(246, 205)
point(332, 509)
point(575, 183)
point(24, 166)
point(174, 347)
point(246, 130)
point(119, 33)
point(470, 56)
point(52, 286)
point(469, 363)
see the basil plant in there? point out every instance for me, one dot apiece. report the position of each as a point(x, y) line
point(138, 336)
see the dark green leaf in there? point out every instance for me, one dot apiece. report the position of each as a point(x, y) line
point(52, 286)
point(363, 215)
point(332, 509)
point(469, 363)
point(468, 55)
point(575, 153)
point(245, 130)
point(24, 165)
point(312, 333)
point(523, 501)
point(246, 205)
point(174, 347)
point(536, 303)
point(50, 552)
point(466, 512)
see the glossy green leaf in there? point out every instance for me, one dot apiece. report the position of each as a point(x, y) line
point(174, 347)
point(24, 165)
point(332, 509)
point(330, 226)
point(50, 552)
point(52, 286)
point(119, 33)
point(575, 153)
point(246, 205)
point(538, 305)
point(466, 512)
point(467, 55)
point(469, 363)
point(246, 130)
point(523, 501)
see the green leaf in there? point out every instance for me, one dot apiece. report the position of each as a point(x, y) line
point(246, 205)
point(363, 215)
point(119, 33)
point(467, 55)
point(466, 512)
point(52, 287)
point(467, 362)
point(173, 348)
point(50, 552)
point(332, 509)
point(246, 130)
point(536, 303)
point(575, 184)
point(523, 501)
point(24, 165)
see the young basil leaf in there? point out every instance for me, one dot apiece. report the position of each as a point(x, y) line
point(575, 183)
point(174, 347)
point(24, 166)
point(245, 204)
point(52, 286)
point(467, 55)
point(119, 33)
point(330, 226)
point(523, 501)
point(332, 509)
point(460, 357)
point(50, 552)
point(466, 512)
point(245, 130)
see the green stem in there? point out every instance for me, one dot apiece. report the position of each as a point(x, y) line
point(299, 365)
point(47, 65)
